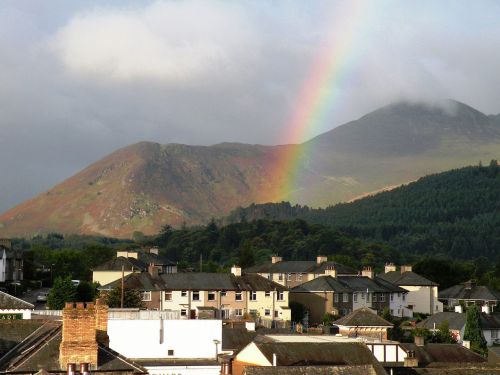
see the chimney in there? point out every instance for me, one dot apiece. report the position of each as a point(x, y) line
point(466, 344)
point(101, 322)
point(389, 267)
point(368, 272)
point(153, 270)
point(79, 343)
point(84, 368)
point(236, 270)
point(411, 360)
point(226, 367)
point(331, 271)
point(470, 284)
point(154, 250)
point(459, 309)
point(71, 369)
point(419, 340)
point(127, 254)
point(405, 268)
point(6, 242)
point(321, 259)
point(276, 259)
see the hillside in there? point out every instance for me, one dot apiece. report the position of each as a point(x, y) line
point(455, 213)
point(147, 185)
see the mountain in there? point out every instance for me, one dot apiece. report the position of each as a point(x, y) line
point(456, 213)
point(147, 185)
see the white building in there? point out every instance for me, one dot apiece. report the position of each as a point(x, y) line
point(14, 308)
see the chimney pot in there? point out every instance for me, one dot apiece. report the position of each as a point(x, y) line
point(71, 369)
point(84, 369)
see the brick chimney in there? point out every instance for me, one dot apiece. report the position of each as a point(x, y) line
point(276, 259)
point(368, 272)
point(127, 254)
point(389, 267)
point(101, 322)
point(331, 271)
point(236, 270)
point(153, 270)
point(79, 343)
point(321, 259)
point(470, 284)
point(419, 341)
point(411, 360)
point(405, 268)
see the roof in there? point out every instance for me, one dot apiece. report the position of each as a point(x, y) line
point(300, 266)
point(348, 284)
point(409, 278)
point(237, 338)
point(457, 321)
point(13, 332)
point(195, 281)
point(116, 264)
point(461, 292)
point(327, 353)
point(312, 370)
point(363, 317)
point(443, 353)
point(464, 369)
point(41, 350)
point(148, 258)
point(8, 302)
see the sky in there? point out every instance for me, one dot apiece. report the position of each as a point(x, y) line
point(80, 79)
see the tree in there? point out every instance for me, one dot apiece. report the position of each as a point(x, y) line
point(443, 334)
point(87, 291)
point(473, 331)
point(298, 311)
point(131, 297)
point(63, 290)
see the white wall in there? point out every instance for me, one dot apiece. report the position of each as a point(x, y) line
point(142, 338)
point(3, 265)
point(397, 305)
point(420, 297)
point(26, 313)
point(183, 370)
point(489, 339)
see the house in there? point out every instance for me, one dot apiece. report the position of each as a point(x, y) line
point(11, 262)
point(293, 273)
point(128, 262)
point(312, 370)
point(363, 322)
point(470, 293)
point(81, 341)
point(202, 295)
point(340, 295)
point(12, 308)
point(422, 293)
point(291, 354)
point(490, 325)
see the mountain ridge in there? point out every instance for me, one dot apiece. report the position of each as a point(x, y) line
point(143, 186)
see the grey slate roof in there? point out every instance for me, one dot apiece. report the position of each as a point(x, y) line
point(409, 278)
point(460, 292)
point(363, 317)
point(148, 258)
point(129, 264)
point(299, 266)
point(10, 302)
point(347, 284)
point(312, 370)
point(196, 281)
point(443, 353)
point(236, 338)
point(455, 320)
point(328, 353)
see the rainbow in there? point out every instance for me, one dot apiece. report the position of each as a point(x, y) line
point(320, 94)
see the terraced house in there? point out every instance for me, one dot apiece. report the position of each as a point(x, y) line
point(293, 273)
point(199, 295)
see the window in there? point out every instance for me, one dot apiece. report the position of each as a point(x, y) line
point(275, 313)
point(238, 312)
point(404, 296)
point(184, 312)
point(267, 312)
point(354, 297)
point(288, 277)
point(374, 299)
point(253, 296)
point(362, 295)
point(237, 296)
point(146, 296)
point(494, 333)
point(280, 277)
point(184, 293)
point(281, 296)
point(298, 277)
point(336, 297)
point(345, 297)
point(170, 352)
point(367, 297)
point(268, 294)
point(382, 297)
point(196, 295)
point(211, 296)
point(392, 296)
